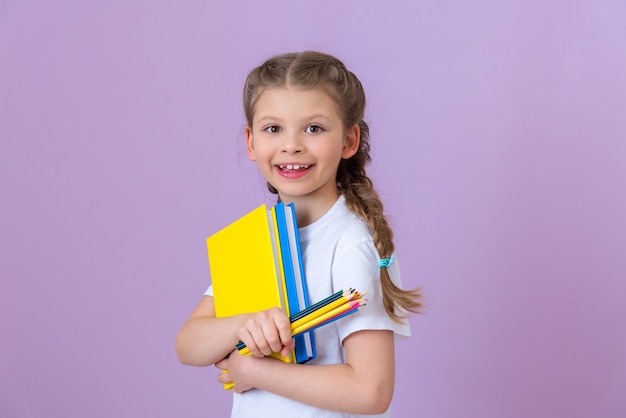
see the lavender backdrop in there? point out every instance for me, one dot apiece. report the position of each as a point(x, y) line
point(499, 146)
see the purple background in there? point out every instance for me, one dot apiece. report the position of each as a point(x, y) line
point(499, 146)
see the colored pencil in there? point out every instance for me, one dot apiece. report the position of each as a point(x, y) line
point(346, 313)
point(318, 308)
point(318, 320)
point(331, 311)
point(321, 303)
point(322, 310)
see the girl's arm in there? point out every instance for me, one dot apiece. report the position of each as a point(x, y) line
point(205, 339)
point(363, 385)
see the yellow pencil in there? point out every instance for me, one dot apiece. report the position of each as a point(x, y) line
point(321, 318)
point(322, 310)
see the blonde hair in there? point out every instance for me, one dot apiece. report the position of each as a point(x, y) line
point(312, 69)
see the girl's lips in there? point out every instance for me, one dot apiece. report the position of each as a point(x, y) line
point(293, 171)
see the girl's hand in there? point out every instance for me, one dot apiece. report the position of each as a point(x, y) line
point(267, 332)
point(236, 366)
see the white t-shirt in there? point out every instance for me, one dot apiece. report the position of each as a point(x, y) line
point(338, 253)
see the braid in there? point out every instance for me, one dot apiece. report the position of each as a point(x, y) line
point(362, 199)
point(318, 70)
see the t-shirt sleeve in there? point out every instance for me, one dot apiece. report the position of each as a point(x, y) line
point(209, 291)
point(357, 267)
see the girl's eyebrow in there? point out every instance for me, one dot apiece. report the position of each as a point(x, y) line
point(318, 116)
point(307, 119)
point(268, 118)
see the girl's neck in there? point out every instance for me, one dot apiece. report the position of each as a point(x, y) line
point(308, 209)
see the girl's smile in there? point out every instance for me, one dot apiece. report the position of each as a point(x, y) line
point(294, 171)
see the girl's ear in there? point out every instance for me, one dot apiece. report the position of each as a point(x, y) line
point(250, 144)
point(351, 142)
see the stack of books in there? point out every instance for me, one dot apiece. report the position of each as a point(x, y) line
point(256, 264)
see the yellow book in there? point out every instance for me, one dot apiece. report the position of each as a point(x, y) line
point(245, 267)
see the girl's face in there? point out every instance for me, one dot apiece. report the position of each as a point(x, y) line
point(297, 139)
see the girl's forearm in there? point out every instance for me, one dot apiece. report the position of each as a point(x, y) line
point(203, 340)
point(337, 387)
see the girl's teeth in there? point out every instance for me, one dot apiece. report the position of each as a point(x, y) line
point(294, 166)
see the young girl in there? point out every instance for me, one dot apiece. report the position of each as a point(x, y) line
point(307, 135)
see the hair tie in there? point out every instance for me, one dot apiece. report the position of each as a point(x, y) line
point(385, 262)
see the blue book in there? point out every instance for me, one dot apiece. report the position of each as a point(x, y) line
point(295, 280)
point(301, 286)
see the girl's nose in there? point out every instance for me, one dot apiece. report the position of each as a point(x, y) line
point(292, 144)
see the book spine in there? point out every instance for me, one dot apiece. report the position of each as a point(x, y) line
point(292, 301)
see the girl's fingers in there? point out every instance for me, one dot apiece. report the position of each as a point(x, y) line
point(287, 348)
point(284, 330)
point(261, 341)
point(267, 332)
point(273, 339)
point(253, 336)
point(223, 377)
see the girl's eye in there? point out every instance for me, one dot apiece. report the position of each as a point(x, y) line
point(313, 129)
point(272, 129)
